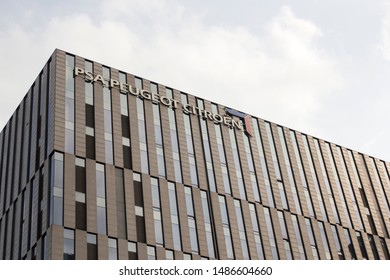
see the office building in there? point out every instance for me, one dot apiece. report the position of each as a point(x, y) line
point(96, 163)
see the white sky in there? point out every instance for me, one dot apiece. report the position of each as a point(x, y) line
point(320, 67)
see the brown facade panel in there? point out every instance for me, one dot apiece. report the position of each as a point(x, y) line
point(80, 137)
point(59, 103)
point(81, 248)
point(270, 165)
point(116, 122)
point(99, 117)
point(111, 207)
point(166, 214)
point(264, 232)
point(371, 194)
point(198, 146)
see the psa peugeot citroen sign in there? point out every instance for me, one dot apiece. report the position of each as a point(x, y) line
point(241, 121)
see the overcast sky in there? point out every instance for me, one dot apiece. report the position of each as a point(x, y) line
point(320, 67)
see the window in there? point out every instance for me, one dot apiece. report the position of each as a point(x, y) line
point(286, 240)
point(241, 230)
point(89, 114)
point(158, 134)
point(57, 188)
point(336, 239)
point(226, 227)
point(298, 236)
point(169, 255)
point(174, 216)
point(270, 229)
point(313, 243)
point(81, 211)
point(101, 198)
point(361, 245)
point(151, 253)
point(125, 121)
point(208, 224)
point(373, 247)
point(158, 230)
point(143, 145)
point(350, 247)
point(69, 244)
point(384, 248)
point(191, 220)
point(132, 250)
point(108, 141)
point(256, 231)
point(92, 253)
point(139, 207)
point(112, 249)
point(120, 204)
point(324, 240)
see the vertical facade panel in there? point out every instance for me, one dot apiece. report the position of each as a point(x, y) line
point(90, 168)
point(270, 164)
point(3, 170)
point(59, 102)
point(112, 224)
point(69, 191)
point(185, 168)
point(198, 147)
point(11, 163)
point(99, 116)
point(80, 136)
point(18, 153)
point(116, 122)
point(81, 247)
point(129, 204)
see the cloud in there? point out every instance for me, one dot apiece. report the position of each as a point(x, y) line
point(280, 73)
point(384, 46)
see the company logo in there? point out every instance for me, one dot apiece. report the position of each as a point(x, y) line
point(246, 119)
point(242, 124)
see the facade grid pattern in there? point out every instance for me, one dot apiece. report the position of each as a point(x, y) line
point(96, 163)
